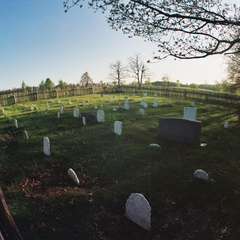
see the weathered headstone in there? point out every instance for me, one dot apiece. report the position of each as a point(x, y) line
point(141, 111)
point(75, 112)
point(190, 113)
point(192, 104)
point(25, 134)
point(126, 105)
point(89, 116)
point(226, 124)
point(180, 130)
point(145, 105)
point(69, 101)
point(118, 127)
point(46, 146)
point(47, 107)
point(39, 109)
point(138, 210)
point(100, 116)
point(84, 103)
point(73, 176)
point(61, 108)
point(95, 106)
point(58, 115)
point(155, 95)
point(201, 174)
point(155, 103)
point(16, 123)
point(142, 102)
point(84, 121)
point(145, 94)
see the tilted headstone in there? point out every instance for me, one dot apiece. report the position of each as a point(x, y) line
point(138, 210)
point(73, 176)
point(141, 111)
point(84, 121)
point(190, 113)
point(180, 130)
point(201, 174)
point(226, 124)
point(75, 112)
point(100, 116)
point(25, 134)
point(155, 103)
point(61, 108)
point(46, 146)
point(118, 127)
point(16, 123)
point(126, 105)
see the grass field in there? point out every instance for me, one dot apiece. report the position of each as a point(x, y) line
point(46, 204)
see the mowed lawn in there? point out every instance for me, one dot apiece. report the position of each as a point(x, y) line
point(46, 204)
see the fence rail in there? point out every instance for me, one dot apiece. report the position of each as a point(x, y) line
point(19, 97)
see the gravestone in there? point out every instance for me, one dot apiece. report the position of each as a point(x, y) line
point(16, 123)
point(75, 112)
point(58, 100)
point(47, 106)
point(145, 105)
point(141, 111)
point(118, 127)
point(180, 130)
point(39, 109)
point(190, 113)
point(155, 145)
point(201, 174)
point(100, 116)
point(155, 103)
point(155, 95)
point(95, 106)
point(58, 115)
point(126, 105)
point(138, 210)
point(89, 116)
point(61, 108)
point(84, 103)
point(142, 102)
point(84, 121)
point(73, 176)
point(25, 134)
point(46, 146)
point(69, 101)
point(192, 104)
point(145, 94)
point(226, 124)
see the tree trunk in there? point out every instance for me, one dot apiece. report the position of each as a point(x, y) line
point(10, 230)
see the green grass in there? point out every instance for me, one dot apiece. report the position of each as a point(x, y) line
point(45, 203)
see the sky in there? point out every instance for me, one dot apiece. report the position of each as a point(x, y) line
point(38, 40)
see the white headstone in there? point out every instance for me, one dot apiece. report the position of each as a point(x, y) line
point(84, 121)
point(155, 95)
point(46, 146)
point(138, 210)
point(192, 104)
point(141, 111)
point(75, 112)
point(142, 102)
point(226, 124)
point(100, 116)
point(16, 123)
point(201, 174)
point(118, 127)
point(154, 145)
point(145, 105)
point(61, 108)
point(189, 113)
point(58, 114)
point(155, 103)
point(126, 105)
point(73, 176)
point(47, 106)
point(25, 134)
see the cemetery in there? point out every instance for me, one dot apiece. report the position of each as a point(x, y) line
point(121, 166)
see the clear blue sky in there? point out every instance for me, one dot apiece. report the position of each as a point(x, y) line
point(38, 40)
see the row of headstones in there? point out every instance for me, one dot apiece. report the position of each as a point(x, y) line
point(137, 208)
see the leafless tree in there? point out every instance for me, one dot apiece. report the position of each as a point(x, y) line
point(184, 29)
point(137, 69)
point(86, 81)
point(118, 72)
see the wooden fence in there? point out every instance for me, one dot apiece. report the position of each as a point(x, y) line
point(19, 97)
